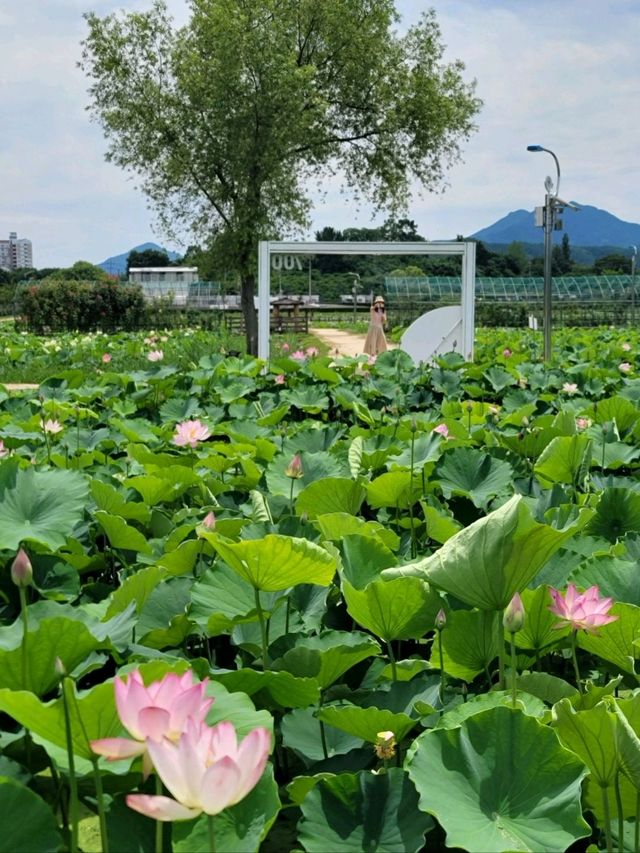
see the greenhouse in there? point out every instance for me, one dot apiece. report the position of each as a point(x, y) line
point(586, 288)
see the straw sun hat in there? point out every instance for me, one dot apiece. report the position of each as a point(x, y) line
point(379, 300)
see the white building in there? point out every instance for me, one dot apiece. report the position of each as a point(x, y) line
point(159, 282)
point(15, 253)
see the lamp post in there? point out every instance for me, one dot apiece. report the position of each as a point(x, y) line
point(552, 205)
point(633, 284)
point(354, 290)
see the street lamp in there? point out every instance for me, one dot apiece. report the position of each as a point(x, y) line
point(547, 217)
point(354, 291)
point(633, 284)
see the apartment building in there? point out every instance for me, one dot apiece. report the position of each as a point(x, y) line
point(15, 253)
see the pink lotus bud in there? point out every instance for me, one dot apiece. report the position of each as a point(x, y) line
point(209, 521)
point(441, 619)
point(506, 352)
point(514, 615)
point(106, 358)
point(294, 468)
point(21, 570)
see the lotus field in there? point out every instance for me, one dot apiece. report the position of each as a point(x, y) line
point(337, 604)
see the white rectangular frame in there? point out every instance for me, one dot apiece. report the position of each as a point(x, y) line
point(267, 248)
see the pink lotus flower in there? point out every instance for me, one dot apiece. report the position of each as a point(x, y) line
point(298, 355)
point(189, 433)
point(151, 713)
point(583, 423)
point(586, 611)
point(155, 355)
point(294, 469)
point(624, 367)
point(506, 352)
point(209, 521)
point(285, 347)
point(442, 429)
point(371, 360)
point(21, 569)
point(280, 379)
point(205, 771)
point(626, 346)
point(570, 388)
point(52, 427)
point(106, 358)
point(312, 351)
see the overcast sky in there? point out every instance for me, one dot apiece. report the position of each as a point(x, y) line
point(565, 75)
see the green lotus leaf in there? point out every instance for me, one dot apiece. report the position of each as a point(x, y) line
point(617, 513)
point(300, 786)
point(332, 494)
point(237, 707)
point(493, 558)
point(470, 642)
point(302, 732)
point(617, 409)
point(59, 637)
point(334, 526)
point(92, 716)
point(307, 398)
point(109, 499)
point(528, 704)
point(122, 535)
point(440, 525)
point(276, 562)
point(353, 812)
point(473, 474)
point(178, 409)
point(501, 782)
point(565, 459)
point(165, 486)
point(366, 723)
point(592, 736)
point(615, 577)
point(272, 689)
point(613, 454)
point(426, 448)
point(539, 629)
point(315, 466)
point(549, 688)
point(29, 823)
point(33, 508)
point(238, 829)
point(615, 642)
point(395, 488)
point(328, 656)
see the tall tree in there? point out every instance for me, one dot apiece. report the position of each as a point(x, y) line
point(228, 120)
point(147, 258)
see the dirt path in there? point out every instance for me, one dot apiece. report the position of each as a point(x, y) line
point(341, 342)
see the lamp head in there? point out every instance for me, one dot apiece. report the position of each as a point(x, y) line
point(535, 148)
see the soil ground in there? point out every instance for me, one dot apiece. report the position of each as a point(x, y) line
point(341, 342)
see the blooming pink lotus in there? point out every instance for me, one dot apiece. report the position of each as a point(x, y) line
point(189, 433)
point(583, 423)
point(442, 429)
point(570, 388)
point(206, 770)
point(626, 346)
point(298, 355)
point(285, 347)
point(585, 610)
point(312, 351)
point(155, 355)
point(280, 379)
point(52, 427)
point(624, 367)
point(159, 710)
point(106, 358)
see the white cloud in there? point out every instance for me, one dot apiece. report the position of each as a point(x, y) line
point(564, 75)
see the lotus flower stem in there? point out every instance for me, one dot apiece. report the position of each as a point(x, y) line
point(607, 818)
point(514, 672)
point(636, 839)
point(501, 684)
point(414, 548)
point(263, 630)
point(441, 654)
point(620, 812)
point(159, 826)
point(394, 671)
point(575, 661)
point(25, 637)
point(73, 783)
point(212, 834)
point(97, 776)
point(323, 740)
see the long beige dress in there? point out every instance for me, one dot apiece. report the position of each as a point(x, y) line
point(376, 341)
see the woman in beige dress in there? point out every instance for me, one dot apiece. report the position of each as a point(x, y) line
point(376, 341)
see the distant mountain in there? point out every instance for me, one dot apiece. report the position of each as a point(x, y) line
point(118, 263)
point(588, 226)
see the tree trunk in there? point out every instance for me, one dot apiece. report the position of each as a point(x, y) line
point(247, 291)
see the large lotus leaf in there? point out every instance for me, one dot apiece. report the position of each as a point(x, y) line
point(470, 642)
point(307, 398)
point(549, 688)
point(592, 736)
point(66, 639)
point(164, 487)
point(495, 557)
point(500, 782)
point(238, 829)
point(366, 723)
point(441, 525)
point(613, 454)
point(237, 707)
point(276, 562)
point(615, 641)
point(315, 466)
point(272, 689)
point(397, 609)
point(328, 656)
point(539, 629)
point(395, 489)
point(615, 577)
point(136, 588)
point(334, 526)
point(617, 513)
point(353, 812)
point(426, 448)
point(473, 474)
point(28, 823)
point(363, 559)
point(92, 716)
point(617, 409)
point(527, 703)
point(178, 409)
point(122, 535)
point(564, 460)
point(302, 732)
point(531, 443)
point(332, 494)
point(109, 499)
point(221, 599)
point(39, 506)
